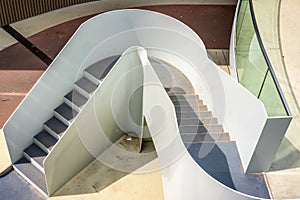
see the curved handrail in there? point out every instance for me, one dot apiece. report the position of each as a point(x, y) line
point(270, 67)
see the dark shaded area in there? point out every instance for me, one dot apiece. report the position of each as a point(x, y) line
point(214, 163)
point(221, 161)
point(14, 187)
point(287, 157)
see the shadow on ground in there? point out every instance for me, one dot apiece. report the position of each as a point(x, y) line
point(287, 157)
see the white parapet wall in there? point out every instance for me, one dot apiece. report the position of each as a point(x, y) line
point(182, 177)
point(104, 119)
point(100, 37)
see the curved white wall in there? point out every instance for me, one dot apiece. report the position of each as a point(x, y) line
point(164, 37)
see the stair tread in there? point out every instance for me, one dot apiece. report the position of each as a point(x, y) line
point(36, 153)
point(191, 109)
point(197, 121)
point(76, 98)
point(32, 173)
point(177, 91)
point(86, 85)
point(46, 139)
point(191, 103)
point(210, 137)
point(184, 96)
point(100, 69)
point(200, 129)
point(221, 160)
point(193, 114)
point(198, 111)
point(56, 125)
point(66, 111)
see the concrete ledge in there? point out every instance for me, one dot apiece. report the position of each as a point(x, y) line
point(5, 163)
point(6, 39)
point(49, 19)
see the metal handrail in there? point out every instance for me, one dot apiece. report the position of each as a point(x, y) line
point(270, 68)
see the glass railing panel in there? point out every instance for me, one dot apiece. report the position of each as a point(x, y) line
point(251, 65)
point(271, 98)
point(254, 69)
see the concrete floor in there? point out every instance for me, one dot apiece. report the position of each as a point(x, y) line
point(86, 185)
point(284, 181)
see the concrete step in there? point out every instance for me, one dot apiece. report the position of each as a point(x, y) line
point(200, 129)
point(176, 91)
point(183, 96)
point(196, 121)
point(75, 100)
point(211, 137)
point(188, 115)
point(191, 102)
point(221, 160)
point(31, 174)
point(85, 87)
point(44, 140)
point(55, 127)
point(195, 108)
point(100, 69)
point(36, 155)
point(65, 113)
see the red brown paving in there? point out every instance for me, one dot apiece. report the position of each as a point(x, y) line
point(212, 23)
point(20, 69)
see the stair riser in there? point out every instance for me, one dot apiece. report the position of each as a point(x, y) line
point(190, 100)
point(184, 97)
point(183, 109)
point(33, 162)
point(194, 129)
point(215, 137)
point(82, 91)
point(31, 182)
point(196, 121)
point(193, 115)
point(180, 107)
point(91, 78)
point(51, 132)
point(41, 145)
point(72, 105)
point(185, 103)
point(62, 119)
